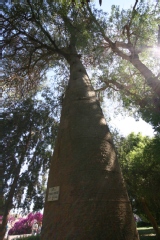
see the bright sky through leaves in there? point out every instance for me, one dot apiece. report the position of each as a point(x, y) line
point(128, 124)
point(106, 5)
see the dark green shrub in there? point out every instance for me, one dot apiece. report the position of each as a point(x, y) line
point(143, 224)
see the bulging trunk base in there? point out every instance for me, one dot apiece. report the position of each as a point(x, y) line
point(93, 202)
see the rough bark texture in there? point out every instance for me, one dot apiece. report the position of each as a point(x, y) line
point(93, 202)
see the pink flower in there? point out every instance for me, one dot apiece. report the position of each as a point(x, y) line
point(24, 225)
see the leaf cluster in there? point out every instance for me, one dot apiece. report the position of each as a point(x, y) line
point(29, 130)
point(140, 163)
point(128, 60)
point(37, 37)
point(119, 47)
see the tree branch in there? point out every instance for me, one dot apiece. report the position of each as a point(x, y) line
point(138, 100)
point(151, 80)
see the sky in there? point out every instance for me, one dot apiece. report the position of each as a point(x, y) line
point(122, 120)
point(128, 124)
point(106, 4)
point(125, 124)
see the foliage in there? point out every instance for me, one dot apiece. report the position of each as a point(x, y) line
point(141, 224)
point(24, 225)
point(120, 47)
point(128, 66)
point(140, 163)
point(29, 131)
point(42, 41)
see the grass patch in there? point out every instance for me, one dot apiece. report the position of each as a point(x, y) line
point(146, 233)
point(30, 238)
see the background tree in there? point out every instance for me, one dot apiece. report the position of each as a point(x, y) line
point(140, 163)
point(29, 130)
point(42, 36)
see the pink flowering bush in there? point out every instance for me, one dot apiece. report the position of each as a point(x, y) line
point(24, 225)
point(11, 219)
point(35, 216)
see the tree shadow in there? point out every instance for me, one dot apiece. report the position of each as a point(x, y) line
point(147, 234)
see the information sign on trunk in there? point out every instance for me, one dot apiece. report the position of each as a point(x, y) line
point(53, 193)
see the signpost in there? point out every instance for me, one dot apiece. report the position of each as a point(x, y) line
point(53, 193)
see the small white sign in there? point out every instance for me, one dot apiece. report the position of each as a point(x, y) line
point(53, 193)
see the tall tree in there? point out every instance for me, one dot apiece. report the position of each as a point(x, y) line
point(29, 130)
point(140, 163)
point(93, 202)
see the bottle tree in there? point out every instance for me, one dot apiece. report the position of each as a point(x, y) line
point(90, 201)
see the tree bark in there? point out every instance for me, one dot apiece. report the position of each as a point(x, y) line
point(152, 81)
point(93, 202)
point(150, 218)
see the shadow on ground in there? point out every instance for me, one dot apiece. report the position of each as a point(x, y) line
point(146, 233)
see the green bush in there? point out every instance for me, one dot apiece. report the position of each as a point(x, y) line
point(143, 224)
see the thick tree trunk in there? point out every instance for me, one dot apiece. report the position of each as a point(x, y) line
point(93, 202)
point(150, 218)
